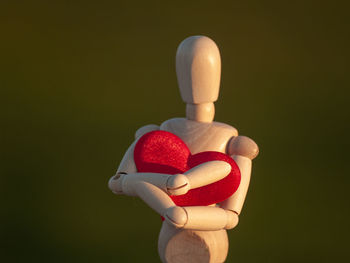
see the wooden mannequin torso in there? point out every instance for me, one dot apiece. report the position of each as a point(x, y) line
point(179, 245)
point(201, 136)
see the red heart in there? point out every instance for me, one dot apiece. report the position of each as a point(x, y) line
point(164, 152)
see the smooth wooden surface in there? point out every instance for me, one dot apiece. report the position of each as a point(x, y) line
point(145, 129)
point(198, 68)
point(153, 189)
point(243, 150)
point(243, 146)
point(178, 184)
point(127, 164)
point(209, 218)
point(236, 201)
point(156, 179)
point(179, 246)
point(200, 136)
point(198, 176)
point(197, 233)
point(207, 173)
point(203, 112)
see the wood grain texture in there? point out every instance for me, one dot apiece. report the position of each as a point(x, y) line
point(181, 246)
point(193, 233)
point(192, 245)
point(199, 136)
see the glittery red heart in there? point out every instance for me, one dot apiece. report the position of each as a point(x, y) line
point(164, 152)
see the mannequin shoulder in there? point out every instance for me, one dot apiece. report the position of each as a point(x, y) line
point(182, 124)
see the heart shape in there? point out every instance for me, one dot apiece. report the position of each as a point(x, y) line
point(164, 152)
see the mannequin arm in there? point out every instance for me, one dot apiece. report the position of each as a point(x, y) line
point(127, 164)
point(200, 175)
point(243, 150)
point(209, 218)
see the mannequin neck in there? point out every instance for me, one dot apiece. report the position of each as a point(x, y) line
point(203, 112)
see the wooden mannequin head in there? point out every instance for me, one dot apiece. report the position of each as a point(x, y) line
point(198, 69)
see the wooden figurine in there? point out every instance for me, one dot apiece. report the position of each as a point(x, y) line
point(190, 233)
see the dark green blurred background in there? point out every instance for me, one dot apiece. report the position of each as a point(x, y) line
point(77, 78)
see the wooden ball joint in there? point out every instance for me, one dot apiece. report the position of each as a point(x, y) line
point(190, 233)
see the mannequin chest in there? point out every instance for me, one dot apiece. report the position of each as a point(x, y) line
point(199, 136)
